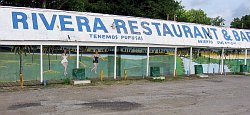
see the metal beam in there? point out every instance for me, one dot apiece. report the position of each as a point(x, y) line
point(41, 63)
point(74, 43)
point(190, 61)
point(115, 53)
point(175, 62)
point(77, 56)
point(245, 62)
point(222, 61)
point(147, 61)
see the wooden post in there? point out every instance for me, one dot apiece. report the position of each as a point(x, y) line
point(125, 74)
point(101, 75)
point(21, 80)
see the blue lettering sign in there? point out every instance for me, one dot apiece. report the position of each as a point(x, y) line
point(34, 20)
point(206, 33)
point(64, 23)
point(120, 24)
point(22, 20)
point(214, 31)
point(197, 32)
point(101, 26)
point(85, 23)
point(175, 32)
point(226, 36)
point(187, 31)
point(49, 26)
point(133, 27)
point(157, 27)
point(236, 35)
point(138, 28)
point(166, 30)
point(248, 35)
point(243, 37)
point(148, 30)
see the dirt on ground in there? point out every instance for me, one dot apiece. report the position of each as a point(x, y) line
point(216, 95)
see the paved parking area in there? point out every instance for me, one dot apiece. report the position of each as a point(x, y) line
point(222, 95)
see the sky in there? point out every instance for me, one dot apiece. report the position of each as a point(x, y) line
point(227, 9)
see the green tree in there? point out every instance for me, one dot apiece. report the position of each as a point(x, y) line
point(21, 50)
point(218, 21)
point(243, 22)
point(193, 16)
point(198, 16)
point(19, 3)
point(140, 8)
point(33, 48)
point(182, 15)
point(236, 23)
point(49, 50)
point(72, 5)
point(76, 5)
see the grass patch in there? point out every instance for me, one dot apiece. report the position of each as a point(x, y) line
point(31, 64)
point(171, 78)
point(127, 82)
point(9, 61)
point(156, 80)
point(51, 71)
point(174, 78)
point(67, 81)
point(112, 82)
point(3, 66)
